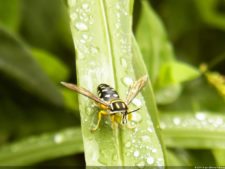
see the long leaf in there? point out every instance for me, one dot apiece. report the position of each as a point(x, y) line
point(103, 39)
point(199, 130)
point(38, 148)
point(17, 63)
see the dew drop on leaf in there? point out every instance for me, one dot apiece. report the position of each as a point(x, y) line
point(154, 150)
point(200, 116)
point(145, 138)
point(94, 50)
point(123, 62)
point(136, 153)
point(137, 102)
point(85, 6)
point(141, 164)
point(136, 117)
point(150, 160)
point(82, 41)
point(218, 121)
point(72, 2)
point(176, 120)
point(128, 144)
point(80, 26)
point(150, 129)
point(73, 16)
point(58, 138)
point(127, 81)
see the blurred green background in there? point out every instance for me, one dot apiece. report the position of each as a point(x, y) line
point(37, 52)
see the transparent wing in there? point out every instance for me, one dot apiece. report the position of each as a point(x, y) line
point(84, 92)
point(135, 88)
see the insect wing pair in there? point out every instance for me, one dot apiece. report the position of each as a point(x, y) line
point(114, 105)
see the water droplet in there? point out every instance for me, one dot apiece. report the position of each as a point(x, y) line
point(136, 130)
point(136, 117)
point(200, 116)
point(85, 36)
point(150, 160)
point(107, 122)
point(91, 20)
point(150, 129)
point(141, 164)
point(89, 110)
point(80, 26)
point(163, 125)
point(123, 62)
point(82, 41)
point(136, 153)
point(73, 16)
point(118, 6)
point(125, 13)
point(85, 6)
point(94, 50)
point(58, 138)
point(219, 121)
point(118, 15)
point(145, 138)
point(128, 154)
point(160, 162)
point(127, 81)
point(176, 120)
point(128, 144)
point(154, 150)
point(132, 124)
point(72, 2)
point(117, 25)
point(137, 102)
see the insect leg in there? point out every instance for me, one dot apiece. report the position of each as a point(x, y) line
point(129, 117)
point(114, 120)
point(100, 113)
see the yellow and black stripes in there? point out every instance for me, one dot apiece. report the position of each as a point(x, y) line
point(106, 92)
point(117, 105)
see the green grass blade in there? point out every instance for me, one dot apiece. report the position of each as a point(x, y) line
point(200, 130)
point(10, 14)
point(103, 39)
point(17, 64)
point(38, 148)
point(165, 72)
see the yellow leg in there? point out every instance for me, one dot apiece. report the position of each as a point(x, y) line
point(129, 119)
point(117, 119)
point(113, 121)
point(99, 119)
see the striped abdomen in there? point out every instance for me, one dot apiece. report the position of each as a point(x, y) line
point(108, 94)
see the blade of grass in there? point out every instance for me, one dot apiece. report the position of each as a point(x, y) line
point(44, 147)
point(10, 15)
point(210, 13)
point(103, 39)
point(157, 50)
point(200, 130)
point(17, 64)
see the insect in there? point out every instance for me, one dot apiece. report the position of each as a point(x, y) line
point(109, 101)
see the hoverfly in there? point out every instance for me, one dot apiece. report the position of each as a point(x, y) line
point(109, 101)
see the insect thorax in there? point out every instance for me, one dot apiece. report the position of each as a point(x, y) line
point(118, 105)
